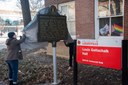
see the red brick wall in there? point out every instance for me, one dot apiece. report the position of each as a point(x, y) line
point(54, 2)
point(84, 16)
point(85, 19)
point(126, 20)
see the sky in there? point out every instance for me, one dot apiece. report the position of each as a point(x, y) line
point(8, 5)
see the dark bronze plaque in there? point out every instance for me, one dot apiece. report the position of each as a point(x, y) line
point(52, 28)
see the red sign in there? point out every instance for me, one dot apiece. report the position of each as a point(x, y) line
point(93, 53)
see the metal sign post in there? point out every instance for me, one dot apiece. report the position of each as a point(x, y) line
point(75, 68)
point(125, 62)
point(55, 82)
point(52, 27)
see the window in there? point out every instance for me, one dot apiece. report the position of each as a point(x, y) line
point(110, 17)
point(68, 9)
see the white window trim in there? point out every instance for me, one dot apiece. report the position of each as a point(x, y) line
point(97, 36)
point(69, 20)
point(63, 4)
point(96, 20)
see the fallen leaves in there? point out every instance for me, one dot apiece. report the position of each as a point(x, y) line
point(37, 68)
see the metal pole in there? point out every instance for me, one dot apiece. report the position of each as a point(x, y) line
point(75, 65)
point(54, 64)
point(125, 62)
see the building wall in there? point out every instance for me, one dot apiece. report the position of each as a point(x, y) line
point(85, 25)
point(55, 2)
point(10, 13)
point(60, 52)
point(85, 19)
point(126, 20)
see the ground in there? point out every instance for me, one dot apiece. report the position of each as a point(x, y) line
point(37, 69)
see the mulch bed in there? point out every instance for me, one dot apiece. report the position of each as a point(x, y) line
point(37, 69)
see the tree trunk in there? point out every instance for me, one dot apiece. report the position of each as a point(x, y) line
point(25, 11)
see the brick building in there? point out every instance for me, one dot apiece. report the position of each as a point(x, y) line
point(105, 21)
point(95, 19)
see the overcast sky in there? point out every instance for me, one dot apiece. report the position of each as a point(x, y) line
point(8, 5)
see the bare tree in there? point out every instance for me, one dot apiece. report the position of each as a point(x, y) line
point(35, 5)
point(25, 11)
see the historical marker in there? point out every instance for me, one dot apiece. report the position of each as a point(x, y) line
point(52, 28)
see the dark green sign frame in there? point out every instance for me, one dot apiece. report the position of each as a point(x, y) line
point(52, 28)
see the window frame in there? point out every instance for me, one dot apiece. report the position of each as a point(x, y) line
point(97, 21)
point(69, 20)
point(65, 4)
